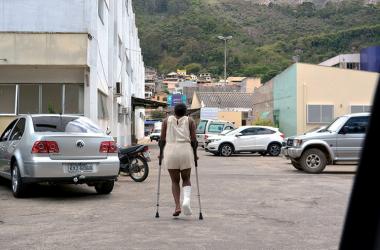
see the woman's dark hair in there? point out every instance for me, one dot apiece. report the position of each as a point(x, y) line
point(180, 109)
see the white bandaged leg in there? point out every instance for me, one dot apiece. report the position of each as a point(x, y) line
point(186, 200)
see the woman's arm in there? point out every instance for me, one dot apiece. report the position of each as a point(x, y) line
point(193, 136)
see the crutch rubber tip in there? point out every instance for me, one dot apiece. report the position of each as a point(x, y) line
point(200, 216)
point(157, 215)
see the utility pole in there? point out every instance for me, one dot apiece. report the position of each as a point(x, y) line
point(225, 38)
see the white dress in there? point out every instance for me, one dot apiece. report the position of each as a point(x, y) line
point(178, 153)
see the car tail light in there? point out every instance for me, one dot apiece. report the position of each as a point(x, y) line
point(108, 147)
point(43, 147)
point(282, 135)
point(112, 147)
point(146, 148)
point(206, 137)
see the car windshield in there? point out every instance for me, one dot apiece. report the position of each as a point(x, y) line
point(65, 124)
point(201, 129)
point(337, 124)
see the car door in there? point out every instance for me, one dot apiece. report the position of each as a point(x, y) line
point(4, 144)
point(263, 138)
point(13, 143)
point(246, 142)
point(350, 138)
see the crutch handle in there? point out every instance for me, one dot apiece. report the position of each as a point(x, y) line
point(194, 145)
point(161, 144)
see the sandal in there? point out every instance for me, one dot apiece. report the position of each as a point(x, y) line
point(177, 212)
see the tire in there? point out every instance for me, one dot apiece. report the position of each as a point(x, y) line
point(104, 187)
point(144, 169)
point(274, 149)
point(18, 187)
point(313, 161)
point(226, 150)
point(297, 165)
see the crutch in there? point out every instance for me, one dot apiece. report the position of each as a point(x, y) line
point(161, 145)
point(194, 146)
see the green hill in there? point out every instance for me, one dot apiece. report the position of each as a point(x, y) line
point(183, 33)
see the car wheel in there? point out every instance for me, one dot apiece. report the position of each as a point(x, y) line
point(274, 149)
point(18, 187)
point(226, 150)
point(313, 161)
point(104, 187)
point(297, 165)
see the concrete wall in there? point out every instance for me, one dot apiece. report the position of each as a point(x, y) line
point(43, 49)
point(231, 116)
point(45, 15)
point(250, 84)
point(327, 85)
point(285, 100)
point(263, 102)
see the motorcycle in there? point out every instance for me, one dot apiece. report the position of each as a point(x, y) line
point(134, 162)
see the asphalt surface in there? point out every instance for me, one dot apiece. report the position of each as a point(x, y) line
point(249, 202)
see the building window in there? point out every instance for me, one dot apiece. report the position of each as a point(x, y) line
point(52, 98)
point(101, 10)
point(360, 108)
point(74, 99)
point(128, 66)
point(320, 113)
point(8, 99)
point(102, 106)
point(29, 99)
point(49, 98)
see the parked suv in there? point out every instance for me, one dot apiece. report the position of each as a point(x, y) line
point(207, 128)
point(341, 141)
point(260, 139)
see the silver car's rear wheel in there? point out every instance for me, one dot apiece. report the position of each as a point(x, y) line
point(14, 179)
point(18, 187)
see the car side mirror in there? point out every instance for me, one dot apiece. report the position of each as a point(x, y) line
point(238, 134)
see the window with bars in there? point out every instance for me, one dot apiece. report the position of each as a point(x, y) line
point(360, 108)
point(322, 113)
point(44, 98)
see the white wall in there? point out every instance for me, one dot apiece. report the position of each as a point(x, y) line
point(44, 15)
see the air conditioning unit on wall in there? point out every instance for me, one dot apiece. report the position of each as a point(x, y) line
point(118, 89)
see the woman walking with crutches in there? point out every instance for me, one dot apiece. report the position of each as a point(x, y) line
point(177, 134)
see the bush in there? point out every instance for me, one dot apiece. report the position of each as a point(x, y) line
point(263, 122)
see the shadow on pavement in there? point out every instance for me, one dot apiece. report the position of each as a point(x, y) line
point(54, 191)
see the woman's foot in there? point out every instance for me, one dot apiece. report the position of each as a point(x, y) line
point(177, 212)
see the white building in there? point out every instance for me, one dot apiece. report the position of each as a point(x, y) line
point(343, 61)
point(72, 57)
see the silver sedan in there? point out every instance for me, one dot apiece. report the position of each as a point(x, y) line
point(57, 149)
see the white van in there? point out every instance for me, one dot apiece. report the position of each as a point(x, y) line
point(207, 128)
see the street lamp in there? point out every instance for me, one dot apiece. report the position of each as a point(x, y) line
point(225, 38)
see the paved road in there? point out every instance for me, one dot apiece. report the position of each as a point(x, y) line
point(250, 202)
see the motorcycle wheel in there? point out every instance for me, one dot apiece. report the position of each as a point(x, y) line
point(140, 163)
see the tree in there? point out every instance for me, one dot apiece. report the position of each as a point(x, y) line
point(193, 68)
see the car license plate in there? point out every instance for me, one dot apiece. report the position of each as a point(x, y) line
point(80, 168)
point(147, 156)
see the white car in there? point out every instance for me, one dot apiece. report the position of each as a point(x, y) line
point(260, 139)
